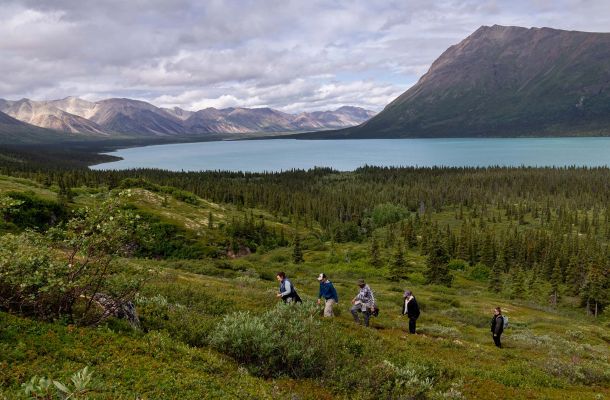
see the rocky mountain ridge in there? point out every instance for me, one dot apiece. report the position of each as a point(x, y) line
point(133, 117)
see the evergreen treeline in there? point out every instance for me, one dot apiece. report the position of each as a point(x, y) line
point(535, 224)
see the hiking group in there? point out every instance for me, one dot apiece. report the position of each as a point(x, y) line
point(364, 304)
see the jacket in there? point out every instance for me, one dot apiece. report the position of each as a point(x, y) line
point(366, 297)
point(288, 291)
point(410, 307)
point(497, 324)
point(328, 291)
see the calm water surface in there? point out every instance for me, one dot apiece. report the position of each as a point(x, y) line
point(347, 155)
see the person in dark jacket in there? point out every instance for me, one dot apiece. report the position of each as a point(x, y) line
point(410, 308)
point(497, 326)
point(287, 292)
point(328, 293)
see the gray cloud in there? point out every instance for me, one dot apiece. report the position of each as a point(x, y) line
point(293, 55)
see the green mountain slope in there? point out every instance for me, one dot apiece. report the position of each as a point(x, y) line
point(13, 131)
point(505, 81)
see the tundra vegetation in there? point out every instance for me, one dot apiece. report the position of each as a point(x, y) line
point(195, 255)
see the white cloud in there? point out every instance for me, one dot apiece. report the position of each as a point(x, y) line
point(287, 54)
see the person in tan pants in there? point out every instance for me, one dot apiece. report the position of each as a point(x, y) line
point(328, 293)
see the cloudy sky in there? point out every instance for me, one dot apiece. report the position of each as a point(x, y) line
point(291, 55)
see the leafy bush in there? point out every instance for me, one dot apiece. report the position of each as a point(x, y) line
point(457, 265)
point(26, 210)
point(582, 372)
point(164, 240)
point(386, 379)
point(348, 231)
point(287, 339)
point(479, 272)
point(47, 389)
point(35, 281)
point(388, 213)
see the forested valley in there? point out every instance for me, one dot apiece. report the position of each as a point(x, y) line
point(196, 254)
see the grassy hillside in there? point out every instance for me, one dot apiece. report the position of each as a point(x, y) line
point(186, 304)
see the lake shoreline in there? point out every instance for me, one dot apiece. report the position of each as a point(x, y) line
point(281, 154)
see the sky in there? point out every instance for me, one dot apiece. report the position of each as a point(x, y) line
point(290, 55)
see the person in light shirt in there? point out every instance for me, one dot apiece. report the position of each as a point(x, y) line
point(410, 308)
point(363, 303)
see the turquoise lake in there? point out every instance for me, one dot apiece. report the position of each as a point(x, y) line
point(347, 155)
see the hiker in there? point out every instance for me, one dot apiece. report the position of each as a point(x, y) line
point(410, 308)
point(329, 294)
point(287, 291)
point(497, 326)
point(363, 303)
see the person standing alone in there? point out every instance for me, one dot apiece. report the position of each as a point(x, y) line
point(497, 326)
point(329, 294)
point(410, 308)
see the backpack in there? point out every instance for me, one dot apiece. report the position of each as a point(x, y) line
point(375, 311)
point(505, 319)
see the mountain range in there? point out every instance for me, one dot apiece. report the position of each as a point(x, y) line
point(127, 117)
point(504, 81)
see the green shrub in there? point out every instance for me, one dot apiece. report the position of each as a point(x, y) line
point(45, 388)
point(479, 272)
point(388, 213)
point(34, 280)
point(581, 372)
point(287, 339)
point(26, 210)
point(457, 265)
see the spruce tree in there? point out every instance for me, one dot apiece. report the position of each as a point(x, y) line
point(574, 274)
point(495, 278)
point(517, 289)
point(437, 264)
point(375, 257)
point(487, 251)
point(555, 282)
point(297, 252)
point(398, 266)
point(596, 289)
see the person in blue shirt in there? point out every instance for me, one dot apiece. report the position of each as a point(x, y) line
point(287, 291)
point(329, 294)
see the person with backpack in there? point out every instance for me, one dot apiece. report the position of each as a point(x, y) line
point(328, 293)
point(364, 303)
point(497, 326)
point(410, 308)
point(287, 292)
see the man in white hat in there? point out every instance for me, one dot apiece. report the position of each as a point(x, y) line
point(328, 293)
